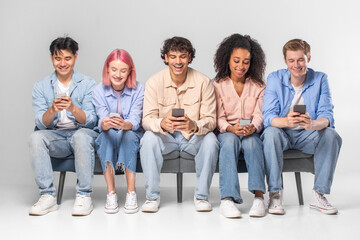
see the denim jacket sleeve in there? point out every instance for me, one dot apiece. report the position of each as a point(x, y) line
point(88, 107)
point(271, 106)
point(136, 108)
point(40, 105)
point(325, 107)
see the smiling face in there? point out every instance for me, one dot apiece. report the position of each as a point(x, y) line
point(64, 62)
point(239, 64)
point(178, 63)
point(118, 73)
point(297, 62)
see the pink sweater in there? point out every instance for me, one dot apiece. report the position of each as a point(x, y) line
point(231, 108)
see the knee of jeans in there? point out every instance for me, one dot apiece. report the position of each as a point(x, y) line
point(331, 134)
point(252, 143)
point(211, 142)
point(228, 140)
point(37, 138)
point(149, 140)
point(130, 136)
point(271, 133)
point(81, 138)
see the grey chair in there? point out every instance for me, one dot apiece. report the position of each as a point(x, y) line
point(294, 161)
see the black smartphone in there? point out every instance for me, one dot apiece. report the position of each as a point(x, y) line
point(300, 109)
point(178, 112)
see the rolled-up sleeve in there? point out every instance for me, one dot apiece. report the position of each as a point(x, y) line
point(325, 106)
point(271, 106)
point(40, 106)
point(88, 107)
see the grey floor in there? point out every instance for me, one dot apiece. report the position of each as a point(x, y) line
point(180, 221)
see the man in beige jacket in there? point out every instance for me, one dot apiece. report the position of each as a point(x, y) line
point(179, 86)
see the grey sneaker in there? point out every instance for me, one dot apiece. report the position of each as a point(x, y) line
point(275, 204)
point(151, 206)
point(45, 204)
point(228, 209)
point(111, 205)
point(83, 205)
point(131, 203)
point(319, 202)
point(258, 208)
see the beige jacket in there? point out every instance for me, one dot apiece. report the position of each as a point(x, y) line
point(197, 98)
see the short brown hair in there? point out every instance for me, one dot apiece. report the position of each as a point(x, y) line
point(297, 44)
point(177, 44)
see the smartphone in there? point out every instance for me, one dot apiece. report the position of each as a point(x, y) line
point(60, 95)
point(300, 109)
point(117, 115)
point(178, 112)
point(244, 122)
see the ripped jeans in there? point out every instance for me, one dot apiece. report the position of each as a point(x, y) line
point(119, 147)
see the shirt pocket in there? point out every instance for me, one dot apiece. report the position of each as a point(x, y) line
point(231, 105)
point(192, 106)
point(249, 107)
point(165, 106)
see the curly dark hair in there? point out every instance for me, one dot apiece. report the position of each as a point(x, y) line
point(227, 46)
point(179, 44)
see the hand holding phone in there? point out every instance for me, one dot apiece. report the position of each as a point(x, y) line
point(116, 115)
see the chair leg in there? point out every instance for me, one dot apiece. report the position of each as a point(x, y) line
point(179, 181)
point(61, 187)
point(299, 188)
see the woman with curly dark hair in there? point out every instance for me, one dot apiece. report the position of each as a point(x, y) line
point(240, 63)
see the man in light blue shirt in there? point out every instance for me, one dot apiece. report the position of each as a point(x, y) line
point(64, 119)
point(311, 131)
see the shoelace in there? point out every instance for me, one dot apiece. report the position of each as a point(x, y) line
point(80, 199)
point(111, 199)
point(323, 200)
point(131, 199)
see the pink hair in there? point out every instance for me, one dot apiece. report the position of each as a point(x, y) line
point(124, 56)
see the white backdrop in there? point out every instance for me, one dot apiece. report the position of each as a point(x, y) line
point(28, 27)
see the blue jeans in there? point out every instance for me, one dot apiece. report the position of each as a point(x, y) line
point(119, 147)
point(230, 148)
point(59, 144)
point(154, 145)
point(325, 144)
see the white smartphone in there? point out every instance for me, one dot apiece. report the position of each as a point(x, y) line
point(114, 115)
point(60, 95)
point(244, 122)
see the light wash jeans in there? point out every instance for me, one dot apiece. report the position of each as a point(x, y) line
point(230, 147)
point(154, 145)
point(62, 143)
point(120, 147)
point(325, 144)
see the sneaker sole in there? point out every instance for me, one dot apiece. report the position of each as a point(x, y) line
point(51, 209)
point(130, 211)
point(329, 212)
point(111, 211)
point(149, 210)
point(203, 210)
point(276, 212)
point(257, 215)
point(83, 213)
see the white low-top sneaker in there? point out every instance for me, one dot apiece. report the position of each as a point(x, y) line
point(111, 205)
point(131, 205)
point(275, 204)
point(202, 205)
point(228, 209)
point(83, 205)
point(258, 208)
point(45, 204)
point(151, 206)
point(320, 203)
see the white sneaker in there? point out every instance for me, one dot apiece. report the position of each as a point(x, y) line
point(45, 204)
point(151, 206)
point(83, 205)
point(202, 205)
point(228, 209)
point(275, 204)
point(111, 205)
point(320, 203)
point(131, 203)
point(258, 208)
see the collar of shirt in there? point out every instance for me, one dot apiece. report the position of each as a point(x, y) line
point(108, 91)
point(189, 81)
point(308, 82)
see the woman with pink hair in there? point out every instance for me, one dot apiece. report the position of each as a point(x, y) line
point(118, 101)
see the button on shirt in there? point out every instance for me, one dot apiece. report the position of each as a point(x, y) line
point(105, 102)
point(196, 97)
point(279, 94)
